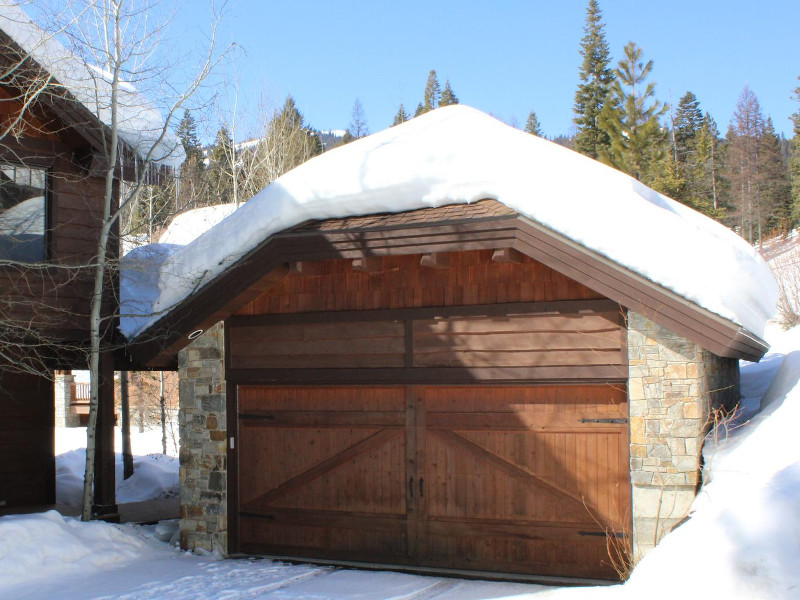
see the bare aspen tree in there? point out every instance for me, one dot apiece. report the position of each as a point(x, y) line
point(119, 36)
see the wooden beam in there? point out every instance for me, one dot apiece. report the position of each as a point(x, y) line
point(367, 264)
point(435, 260)
point(506, 255)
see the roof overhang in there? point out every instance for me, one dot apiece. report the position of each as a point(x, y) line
point(430, 230)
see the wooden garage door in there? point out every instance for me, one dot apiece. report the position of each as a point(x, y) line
point(518, 479)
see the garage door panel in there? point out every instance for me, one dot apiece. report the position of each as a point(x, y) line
point(325, 478)
point(525, 479)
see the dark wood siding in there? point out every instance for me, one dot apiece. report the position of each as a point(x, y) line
point(56, 300)
point(401, 282)
point(570, 335)
point(27, 468)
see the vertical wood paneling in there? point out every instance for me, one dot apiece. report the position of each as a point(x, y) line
point(472, 278)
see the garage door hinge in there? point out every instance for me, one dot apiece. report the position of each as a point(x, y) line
point(614, 421)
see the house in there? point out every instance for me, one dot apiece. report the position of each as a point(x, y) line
point(450, 345)
point(55, 111)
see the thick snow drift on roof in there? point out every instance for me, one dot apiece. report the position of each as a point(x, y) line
point(189, 225)
point(140, 124)
point(459, 155)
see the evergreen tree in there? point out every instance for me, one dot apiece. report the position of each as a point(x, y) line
point(777, 189)
point(630, 119)
point(595, 84)
point(193, 187)
point(187, 132)
point(706, 178)
point(533, 126)
point(289, 141)
point(220, 169)
point(448, 97)
point(794, 159)
point(431, 95)
point(401, 116)
point(420, 110)
point(688, 120)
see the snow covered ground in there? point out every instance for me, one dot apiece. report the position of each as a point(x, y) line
point(742, 541)
point(155, 474)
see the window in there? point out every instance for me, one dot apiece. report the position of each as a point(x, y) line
point(23, 213)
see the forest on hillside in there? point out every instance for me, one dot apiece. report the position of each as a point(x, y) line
point(747, 176)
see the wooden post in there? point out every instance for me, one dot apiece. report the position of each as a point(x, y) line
point(125, 418)
point(104, 502)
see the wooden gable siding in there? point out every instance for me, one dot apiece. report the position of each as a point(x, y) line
point(401, 282)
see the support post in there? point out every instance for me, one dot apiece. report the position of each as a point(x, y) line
point(104, 502)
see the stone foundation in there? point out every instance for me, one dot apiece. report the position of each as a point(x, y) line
point(203, 456)
point(673, 386)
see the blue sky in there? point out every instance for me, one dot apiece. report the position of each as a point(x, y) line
point(503, 57)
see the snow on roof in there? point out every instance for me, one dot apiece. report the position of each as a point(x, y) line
point(457, 154)
point(140, 124)
point(187, 226)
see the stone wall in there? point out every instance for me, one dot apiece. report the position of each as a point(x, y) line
point(673, 386)
point(203, 457)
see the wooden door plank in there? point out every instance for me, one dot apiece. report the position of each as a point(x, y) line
point(373, 441)
point(513, 471)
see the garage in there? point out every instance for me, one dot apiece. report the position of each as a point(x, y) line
point(469, 436)
point(518, 479)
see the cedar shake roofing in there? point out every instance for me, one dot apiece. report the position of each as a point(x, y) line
point(482, 209)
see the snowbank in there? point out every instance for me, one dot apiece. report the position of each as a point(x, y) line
point(457, 154)
point(189, 225)
point(47, 545)
point(155, 475)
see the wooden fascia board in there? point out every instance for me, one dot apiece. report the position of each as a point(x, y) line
point(716, 334)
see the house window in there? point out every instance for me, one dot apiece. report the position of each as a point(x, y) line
point(23, 213)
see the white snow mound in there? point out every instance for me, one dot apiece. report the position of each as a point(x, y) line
point(458, 154)
point(48, 544)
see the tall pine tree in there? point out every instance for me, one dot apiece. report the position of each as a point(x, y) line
point(706, 178)
point(794, 159)
point(630, 118)
point(220, 169)
point(688, 120)
point(430, 96)
point(187, 132)
point(595, 84)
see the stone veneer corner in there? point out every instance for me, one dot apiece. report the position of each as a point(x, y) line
point(203, 455)
point(673, 387)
